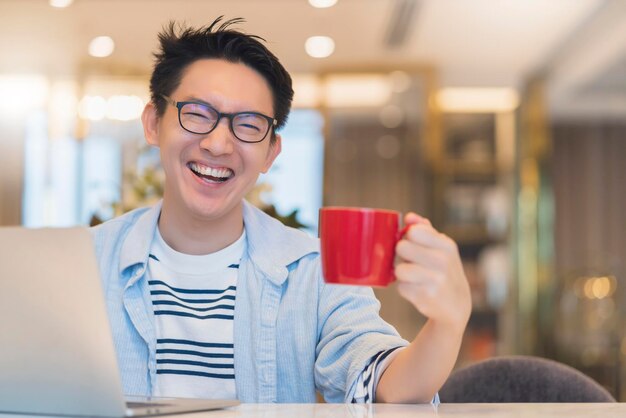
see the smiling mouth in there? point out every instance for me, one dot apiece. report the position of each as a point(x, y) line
point(213, 175)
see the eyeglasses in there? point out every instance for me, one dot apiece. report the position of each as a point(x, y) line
point(200, 118)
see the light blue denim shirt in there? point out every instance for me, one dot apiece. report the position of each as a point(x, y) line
point(293, 334)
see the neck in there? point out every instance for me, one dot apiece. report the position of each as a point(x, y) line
point(195, 236)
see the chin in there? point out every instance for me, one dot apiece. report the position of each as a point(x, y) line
point(211, 210)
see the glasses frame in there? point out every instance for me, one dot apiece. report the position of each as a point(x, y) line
point(230, 116)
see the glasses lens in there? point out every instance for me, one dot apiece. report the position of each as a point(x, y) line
point(250, 127)
point(198, 118)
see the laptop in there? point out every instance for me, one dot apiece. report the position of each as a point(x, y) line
point(56, 348)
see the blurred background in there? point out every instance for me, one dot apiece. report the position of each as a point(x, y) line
point(503, 121)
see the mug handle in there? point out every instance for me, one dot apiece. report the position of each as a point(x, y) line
point(406, 227)
point(403, 231)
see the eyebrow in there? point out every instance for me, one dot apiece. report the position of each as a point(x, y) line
point(197, 100)
point(204, 102)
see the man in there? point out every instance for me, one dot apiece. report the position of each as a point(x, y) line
point(210, 297)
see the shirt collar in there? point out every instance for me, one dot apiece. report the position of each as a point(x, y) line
point(136, 246)
point(272, 247)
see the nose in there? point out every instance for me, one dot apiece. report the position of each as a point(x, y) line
point(219, 141)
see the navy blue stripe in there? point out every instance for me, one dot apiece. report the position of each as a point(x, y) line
point(165, 292)
point(378, 358)
point(195, 353)
point(384, 356)
point(192, 291)
point(196, 343)
point(197, 363)
point(154, 257)
point(201, 374)
point(188, 315)
point(369, 368)
point(233, 266)
point(367, 381)
point(174, 303)
point(373, 359)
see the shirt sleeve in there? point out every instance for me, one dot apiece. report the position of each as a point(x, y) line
point(368, 380)
point(351, 333)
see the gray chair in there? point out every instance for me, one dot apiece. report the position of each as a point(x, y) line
point(513, 379)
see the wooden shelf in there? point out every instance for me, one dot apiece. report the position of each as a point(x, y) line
point(466, 166)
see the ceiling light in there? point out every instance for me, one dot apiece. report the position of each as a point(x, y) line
point(60, 3)
point(477, 100)
point(101, 47)
point(319, 46)
point(356, 90)
point(322, 4)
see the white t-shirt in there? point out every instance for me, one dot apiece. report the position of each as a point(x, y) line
point(193, 299)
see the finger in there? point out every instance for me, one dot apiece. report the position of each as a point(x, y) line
point(416, 282)
point(426, 256)
point(416, 274)
point(428, 236)
point(416, 293)
point(413, 218)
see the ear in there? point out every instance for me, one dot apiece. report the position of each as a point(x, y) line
point(272, 153)
point(150, 121)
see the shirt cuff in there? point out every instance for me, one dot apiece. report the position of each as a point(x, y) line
point(368, 380)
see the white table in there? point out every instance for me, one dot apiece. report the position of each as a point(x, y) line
point(567, 410)
point(521, 410)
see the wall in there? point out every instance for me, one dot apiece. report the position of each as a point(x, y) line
point(589, 180)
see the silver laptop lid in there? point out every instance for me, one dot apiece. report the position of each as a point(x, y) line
point(56, 353)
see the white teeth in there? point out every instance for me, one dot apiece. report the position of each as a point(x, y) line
point(213, 172)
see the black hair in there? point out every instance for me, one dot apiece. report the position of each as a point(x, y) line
point(181, 46)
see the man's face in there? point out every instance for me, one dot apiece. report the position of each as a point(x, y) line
point(207, 176)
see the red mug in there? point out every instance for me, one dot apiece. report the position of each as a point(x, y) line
point(358, 245)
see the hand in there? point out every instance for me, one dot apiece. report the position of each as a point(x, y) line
point(430, 274)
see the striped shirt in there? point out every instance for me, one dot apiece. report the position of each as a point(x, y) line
point(193, 300)
point(366, 384)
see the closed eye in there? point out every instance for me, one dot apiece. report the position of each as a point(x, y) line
point(200, 115)
point(248, 126)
